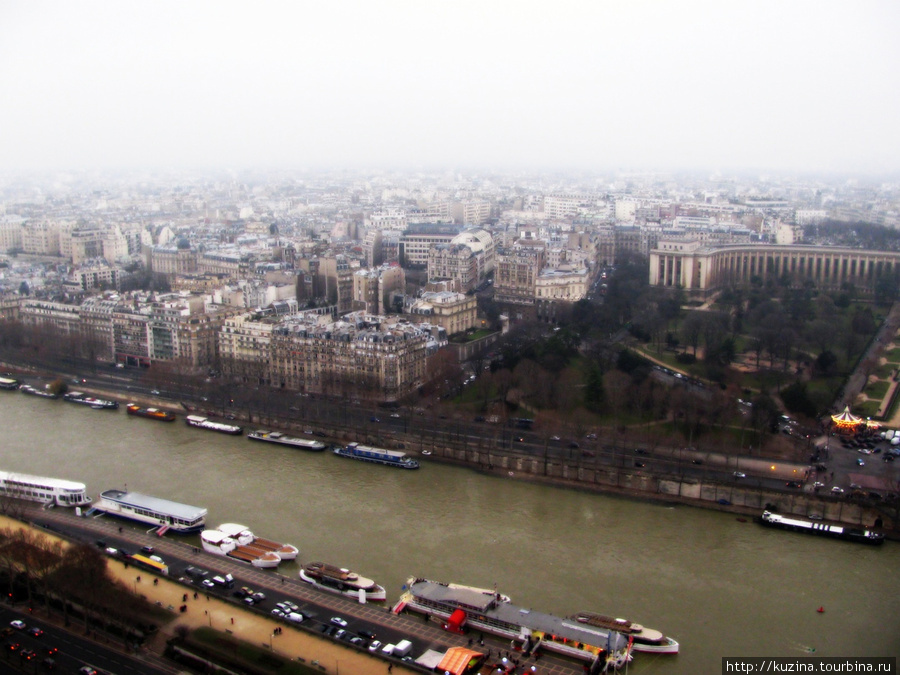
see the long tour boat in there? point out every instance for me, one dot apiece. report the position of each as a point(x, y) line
point(461, 607)
point(282, 439)
point(206, 423)
point(246, 539)
point(165, 515)
point(54, 491)
point(95, 403)
point(341, 580)
point(367, 453)
point(150, 413)
point(644, 639)
point(856, 534)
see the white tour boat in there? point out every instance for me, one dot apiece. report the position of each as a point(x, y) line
point(54, 491)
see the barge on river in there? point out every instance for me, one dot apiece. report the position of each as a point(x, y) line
point(165, 515)
point(858, 535)
point(366, 453)
point(460, 607)
point(205, 423)
point(282, 439)
point(35, 391)
point(150, 413)
point(95, 403)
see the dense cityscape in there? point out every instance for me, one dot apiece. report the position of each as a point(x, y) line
point(602, 300)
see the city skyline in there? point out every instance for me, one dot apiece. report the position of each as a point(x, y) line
point(806, 87)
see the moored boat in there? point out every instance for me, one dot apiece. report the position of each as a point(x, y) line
point(150, 413)
point(367, 453)
point(644, 639)
point(465, 608)
point(282, 439)
point(9, 383)
point(95, 403)
point(217, 542)
point(54, 491)
point(856, 534)
point(164, 514)
point(341, 580)
point(245, 537)
point(35, 391)
point(205, 423)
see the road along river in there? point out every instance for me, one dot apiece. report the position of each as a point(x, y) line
point(719, 586)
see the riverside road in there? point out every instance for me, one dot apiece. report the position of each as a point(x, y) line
point(319, 605)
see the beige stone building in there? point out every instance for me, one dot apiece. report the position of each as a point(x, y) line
point(701, 270)
point(454, 312)
point(361, 356)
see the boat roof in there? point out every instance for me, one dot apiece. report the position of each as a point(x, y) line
point(41, 480)
point(520, 616)
point(183, 511)
point(214, 536)
point(197, 418)
point(233, 529)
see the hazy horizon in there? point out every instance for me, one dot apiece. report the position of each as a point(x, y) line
point(806, 87)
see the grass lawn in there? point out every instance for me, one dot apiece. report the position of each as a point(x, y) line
point(886, 371)
point(877, 390)
point(866, 408)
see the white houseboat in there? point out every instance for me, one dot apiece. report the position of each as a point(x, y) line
point(162, 513)
point(205, 423)
point(282, 439)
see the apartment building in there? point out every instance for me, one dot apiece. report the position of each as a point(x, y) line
point(416, 242)
point(516, 272)
point(362, 356)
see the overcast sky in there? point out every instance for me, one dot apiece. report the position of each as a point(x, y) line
point(725, 84)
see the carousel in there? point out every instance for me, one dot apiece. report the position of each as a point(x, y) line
point(847, 423)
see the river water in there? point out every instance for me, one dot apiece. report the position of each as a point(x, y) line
point(718, 586)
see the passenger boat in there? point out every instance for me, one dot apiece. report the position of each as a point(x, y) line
point(245, 538)
point(218, 542)
point(293, 441)
point(341, 580)
point(464, 607)
point(95, 403)
point(858, 535)
point(54, 491)
point(367, 453)
point(163, 514)
point(206, 423)
point(644, 639)
point(7, 383)
point(150, 413)
point(34, 391)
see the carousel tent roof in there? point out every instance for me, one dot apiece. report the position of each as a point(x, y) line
point(846, 418)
